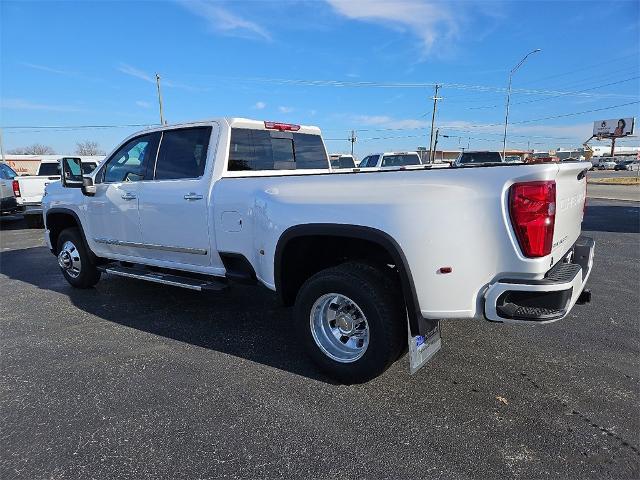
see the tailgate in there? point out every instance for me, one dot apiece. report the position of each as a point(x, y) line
point(571, 184)
point(32, 188)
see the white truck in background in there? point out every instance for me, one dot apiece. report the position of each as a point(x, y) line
point(8, 203)
point(30, 188)
point(371, 260)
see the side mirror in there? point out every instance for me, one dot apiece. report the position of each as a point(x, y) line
point(71, 172)
point(88, 188)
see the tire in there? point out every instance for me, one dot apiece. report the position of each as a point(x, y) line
point(351, 350)
point(34, 221)
point(75, 260)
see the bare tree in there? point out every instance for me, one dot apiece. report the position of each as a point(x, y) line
point(88, 148)
point(35, 149)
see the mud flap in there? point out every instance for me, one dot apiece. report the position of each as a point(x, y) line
point(423, 347)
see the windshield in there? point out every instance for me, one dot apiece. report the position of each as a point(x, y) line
point(480, 157)
point(400, 160)
point(49, 169)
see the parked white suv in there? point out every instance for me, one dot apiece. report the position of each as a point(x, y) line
point(390, 160)
point(371, 260)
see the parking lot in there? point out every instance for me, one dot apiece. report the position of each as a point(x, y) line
point(138, 380)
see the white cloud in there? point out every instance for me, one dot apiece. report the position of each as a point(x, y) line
point(44, 68)
point(142, 75)
point(143, 104)
point(21, 104)
point(134, 72)
point(430, 21)
point(222, 21)
point(385, 121)
point(285, 109)
point(260, 105)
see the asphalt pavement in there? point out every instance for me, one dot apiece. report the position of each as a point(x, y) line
point(132, 380)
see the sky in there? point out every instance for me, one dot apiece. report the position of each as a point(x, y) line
point(363, 65)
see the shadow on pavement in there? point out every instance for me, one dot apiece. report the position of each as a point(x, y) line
point(246, 322)
point(612, 218)
point(12, 222)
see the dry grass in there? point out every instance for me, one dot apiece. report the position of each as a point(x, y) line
point(616, 181)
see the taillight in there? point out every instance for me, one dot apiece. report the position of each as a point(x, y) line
point(532, 207)
point(283, 127)
point(16, 188)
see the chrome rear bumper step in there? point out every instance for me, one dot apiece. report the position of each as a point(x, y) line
point(198, 284)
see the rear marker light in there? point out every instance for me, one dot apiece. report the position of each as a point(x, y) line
point(532, 208)
point(445, 270)
point(16, 188)
point(283, 127)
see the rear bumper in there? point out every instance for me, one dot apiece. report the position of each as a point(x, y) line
point(547, 300)
point(32, 208)
point(9, 205)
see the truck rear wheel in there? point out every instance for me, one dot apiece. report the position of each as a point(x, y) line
point(352, 321)
point(74, 260)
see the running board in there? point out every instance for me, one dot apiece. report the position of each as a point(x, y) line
point(164, 278)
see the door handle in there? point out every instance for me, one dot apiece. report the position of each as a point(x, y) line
point(192, 196)
point(128, 196)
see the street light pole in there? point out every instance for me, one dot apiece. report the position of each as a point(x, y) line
point(506, 115)
point(159, 99)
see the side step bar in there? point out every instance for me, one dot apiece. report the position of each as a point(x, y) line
point(198, 284)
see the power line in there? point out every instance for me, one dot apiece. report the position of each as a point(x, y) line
point(374, 84)
point(78, 127)
point(579, 69)
point(561, 94)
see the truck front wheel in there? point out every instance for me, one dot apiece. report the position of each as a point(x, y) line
point(352, 321)
point(74, 260)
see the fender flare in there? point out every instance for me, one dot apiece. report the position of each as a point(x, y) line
point(68, 211)
point(418, 325)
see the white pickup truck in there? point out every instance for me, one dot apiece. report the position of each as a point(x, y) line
point(371, 259)
point(30, 188)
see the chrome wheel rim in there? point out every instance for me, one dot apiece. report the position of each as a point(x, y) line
point(339, 327)
point(69, 259)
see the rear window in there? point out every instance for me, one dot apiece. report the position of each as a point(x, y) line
point(252, 150)
point(49, 169)
point(88, 167)
point(400, 160)
point(481, 157)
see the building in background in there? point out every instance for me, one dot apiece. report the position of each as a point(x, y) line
point(28, 164)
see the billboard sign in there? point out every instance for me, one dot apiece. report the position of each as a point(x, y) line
point(616, 127)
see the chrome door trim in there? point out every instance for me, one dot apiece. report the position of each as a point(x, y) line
point(120, 243)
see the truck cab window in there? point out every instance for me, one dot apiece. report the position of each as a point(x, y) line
point(261, 150)
point(183, 153)
point(127, 164)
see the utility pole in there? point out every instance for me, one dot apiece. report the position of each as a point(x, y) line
point(613, 146)
point(159, 99)
point(1, 146)
point(435, 146)
point(433, 119)
point(353, 140)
